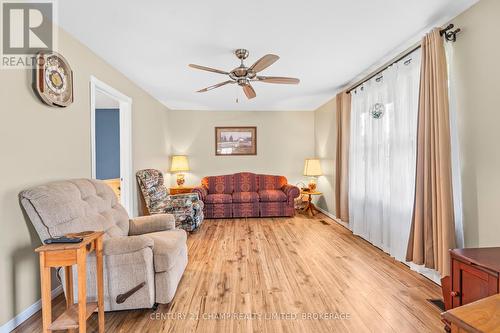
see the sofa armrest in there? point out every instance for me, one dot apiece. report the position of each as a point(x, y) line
point(123, 245)
point(202, 192)
point(291, 192)
point(151, 223)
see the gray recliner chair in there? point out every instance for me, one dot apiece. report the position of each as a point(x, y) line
point(144, 257)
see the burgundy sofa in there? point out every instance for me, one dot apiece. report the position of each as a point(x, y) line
point(246, 194)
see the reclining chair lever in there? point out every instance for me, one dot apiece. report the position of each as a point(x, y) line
point(123, 297)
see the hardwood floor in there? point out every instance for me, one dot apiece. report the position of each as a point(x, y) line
point(274, 271)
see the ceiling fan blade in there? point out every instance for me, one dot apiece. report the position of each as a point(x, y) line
point(264, 62)
point(216, 86)
point(278, 79)
point(208, 69)
point(248, 89)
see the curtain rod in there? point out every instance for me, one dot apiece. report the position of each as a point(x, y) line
point(449, 34)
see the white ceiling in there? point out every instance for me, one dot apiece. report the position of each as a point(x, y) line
point(325, 43)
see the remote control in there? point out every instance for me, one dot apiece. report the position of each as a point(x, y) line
point(63, 239)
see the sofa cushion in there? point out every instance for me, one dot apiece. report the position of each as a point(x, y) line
point(245, 182)
point(167, 248)
point(218, 198)
point(272, 195)
point(245, 197)
point(268, 182)
point(218, 184)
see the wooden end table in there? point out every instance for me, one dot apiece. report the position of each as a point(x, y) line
point(180, 190)
point(68, 254)
point(310, 206)
point(480, 316)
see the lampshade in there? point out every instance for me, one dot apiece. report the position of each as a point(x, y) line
point(312, 167)
point(179, 163)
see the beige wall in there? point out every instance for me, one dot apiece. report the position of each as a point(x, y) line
point(284, 140)
point(39, 144)
point(477, 73)
point(325, 146)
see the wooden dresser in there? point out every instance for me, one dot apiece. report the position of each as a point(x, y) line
point(475, 274)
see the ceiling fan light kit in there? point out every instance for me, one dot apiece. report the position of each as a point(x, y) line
point(243, 75)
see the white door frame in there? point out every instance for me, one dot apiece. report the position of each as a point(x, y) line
point(125, 102)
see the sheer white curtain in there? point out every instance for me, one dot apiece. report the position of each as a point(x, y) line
point(455, 152)
point(383, 156)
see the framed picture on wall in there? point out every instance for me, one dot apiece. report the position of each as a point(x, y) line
point(231, 141)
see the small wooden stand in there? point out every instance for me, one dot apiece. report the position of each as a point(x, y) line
point(180, 190)
point(57, 255)
point(479, 316)
point(475, 275)
point(310, 206)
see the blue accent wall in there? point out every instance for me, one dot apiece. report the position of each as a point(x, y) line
point(107, 129)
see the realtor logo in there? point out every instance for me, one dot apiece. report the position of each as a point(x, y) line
point(27, 28)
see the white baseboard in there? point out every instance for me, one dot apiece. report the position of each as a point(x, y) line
point(333, 217)
point(24, 315)
point(427, 272)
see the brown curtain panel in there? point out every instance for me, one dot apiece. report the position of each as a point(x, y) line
point(432, 231)
point(342, 156)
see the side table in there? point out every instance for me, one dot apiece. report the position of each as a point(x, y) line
point(310, 206)
point(479, 316)
point(65, 255)
point(180, 190)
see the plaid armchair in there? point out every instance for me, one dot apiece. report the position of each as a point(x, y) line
point(186, 208)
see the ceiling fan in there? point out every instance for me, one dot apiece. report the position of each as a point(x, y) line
point(243, 75)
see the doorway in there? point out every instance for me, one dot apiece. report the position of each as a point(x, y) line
point(111, 139)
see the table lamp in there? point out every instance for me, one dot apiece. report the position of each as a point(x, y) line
point(312, 168)
point(179, 164)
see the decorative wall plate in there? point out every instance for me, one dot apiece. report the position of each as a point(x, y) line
point(53, 79)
